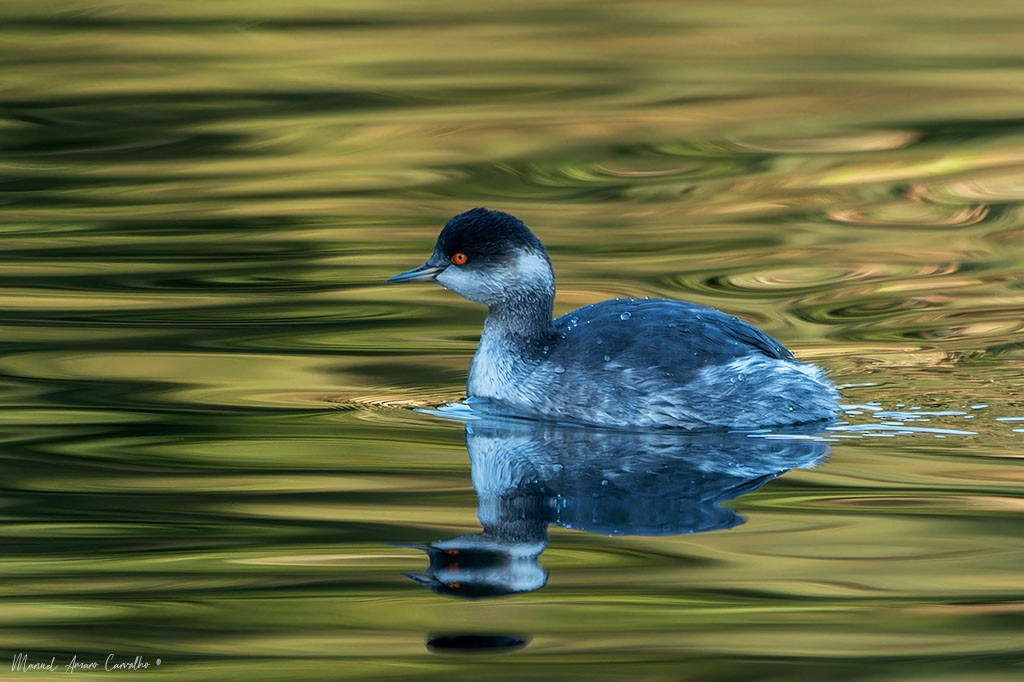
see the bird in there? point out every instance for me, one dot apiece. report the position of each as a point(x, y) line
point(623, 363)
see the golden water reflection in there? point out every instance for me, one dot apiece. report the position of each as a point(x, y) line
point(207, 454)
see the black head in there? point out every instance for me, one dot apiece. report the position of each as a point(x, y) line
point(485, 236)
point(486, 256)
point(476, 567)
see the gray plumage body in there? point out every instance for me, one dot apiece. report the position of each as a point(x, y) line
point(649, 363)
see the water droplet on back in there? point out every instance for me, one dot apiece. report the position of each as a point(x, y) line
point(626, 315)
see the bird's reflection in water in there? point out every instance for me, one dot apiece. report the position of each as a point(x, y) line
point(529, 475)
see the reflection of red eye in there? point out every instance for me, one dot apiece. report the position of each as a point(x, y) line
point(459, 258)
point(453, 586)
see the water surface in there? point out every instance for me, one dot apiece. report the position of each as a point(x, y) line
point(208, 452)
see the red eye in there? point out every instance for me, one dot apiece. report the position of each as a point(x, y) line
point(459, 258)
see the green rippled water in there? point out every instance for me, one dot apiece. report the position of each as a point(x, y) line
point(208, 454)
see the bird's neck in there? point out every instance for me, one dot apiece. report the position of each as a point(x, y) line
point(524, 318)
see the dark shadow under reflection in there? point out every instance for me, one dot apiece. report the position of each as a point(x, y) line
point(475, 643)
point(529, 475)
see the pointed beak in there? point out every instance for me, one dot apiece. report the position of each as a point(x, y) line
point(423, 273)
point(420, 579)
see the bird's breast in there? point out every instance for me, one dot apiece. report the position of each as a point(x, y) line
point(493, 372)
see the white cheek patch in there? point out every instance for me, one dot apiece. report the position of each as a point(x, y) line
point(468, 283)
point(529, 271)
point(533, 269)
point(453, 278)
